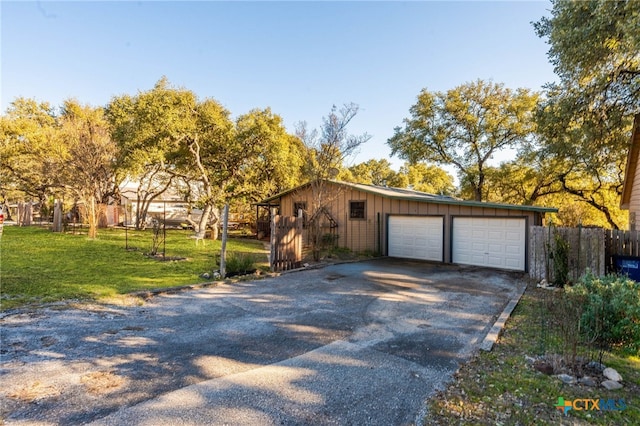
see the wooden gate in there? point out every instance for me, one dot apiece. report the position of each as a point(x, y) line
point(286, 243)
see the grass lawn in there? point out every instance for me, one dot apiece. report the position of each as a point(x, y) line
point(502, 388)
point(37, 265)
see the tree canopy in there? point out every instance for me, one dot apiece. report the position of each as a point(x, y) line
point(465, 127)
point(584, 120)
point(168, 134)
point(31, 150)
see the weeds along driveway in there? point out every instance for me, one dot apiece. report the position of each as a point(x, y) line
point(358, 343)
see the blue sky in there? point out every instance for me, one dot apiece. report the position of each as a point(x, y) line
point(299, 58)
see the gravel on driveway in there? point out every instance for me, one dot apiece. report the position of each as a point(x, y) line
point(356, 343)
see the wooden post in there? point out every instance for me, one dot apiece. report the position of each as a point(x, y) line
point(273, 238)
point(298, 237)
point(223, 251)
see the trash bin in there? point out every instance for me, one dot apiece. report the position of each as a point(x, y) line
point(628, 265)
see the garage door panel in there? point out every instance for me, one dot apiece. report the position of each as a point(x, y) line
point(476, 246)
point(495, 235)
point(496, 249)
point(513, 236)
point(492, 242)
point(416, 237)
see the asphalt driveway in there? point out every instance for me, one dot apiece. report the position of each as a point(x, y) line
point(357, 343)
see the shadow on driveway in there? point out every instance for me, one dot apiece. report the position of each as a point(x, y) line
point(364, 342)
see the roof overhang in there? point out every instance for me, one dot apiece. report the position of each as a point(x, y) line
point(410, 195)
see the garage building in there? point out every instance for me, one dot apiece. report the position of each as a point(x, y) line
point(415, 225)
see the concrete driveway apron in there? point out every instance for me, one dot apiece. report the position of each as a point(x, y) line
point(357, 343)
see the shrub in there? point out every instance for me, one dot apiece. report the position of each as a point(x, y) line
point(239, 263)
point(560, 261)
point(565, 310)
point(611, 315)
point(329, 240)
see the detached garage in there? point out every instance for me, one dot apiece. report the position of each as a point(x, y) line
point(414, 225)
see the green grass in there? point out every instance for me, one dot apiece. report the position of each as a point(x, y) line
point(502, 387)
point(39, 266)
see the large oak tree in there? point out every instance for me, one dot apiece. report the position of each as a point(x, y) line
point(585, 119)
point(466, 127)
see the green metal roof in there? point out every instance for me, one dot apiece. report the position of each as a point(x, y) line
point(422, 197)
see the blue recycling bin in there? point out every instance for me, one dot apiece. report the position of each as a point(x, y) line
point(628, 265)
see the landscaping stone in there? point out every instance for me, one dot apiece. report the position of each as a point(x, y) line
point(588, 381)
point(611, 385)
point(612, 374)
point(596, 366)
point(566, 378)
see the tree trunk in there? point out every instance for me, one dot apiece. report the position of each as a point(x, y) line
point(102, 219)
point(92, 217)
point(57, 216)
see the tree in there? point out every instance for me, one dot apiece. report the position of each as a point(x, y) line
point(90, 161)
point(279, 156)
point(326, 152)
point(169, 131)
point(585, 119)
point(426, 178)
point(595, 45)
point(525, 180)
point(465, 127)
point(374, 172)
point(31, 151)
point(142, 149)
point(171, 137)
point(419, 176)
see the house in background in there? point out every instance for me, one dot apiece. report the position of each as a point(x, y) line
point(415, 225)
point(631, 188)
point(169, 206)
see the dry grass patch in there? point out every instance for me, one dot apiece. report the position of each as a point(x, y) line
point(102, 382)
point(34, 391)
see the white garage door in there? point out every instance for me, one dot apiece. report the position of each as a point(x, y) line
point(416, 237)
point(492, 242)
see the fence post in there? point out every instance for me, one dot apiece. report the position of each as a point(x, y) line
point(547, 276)
point(579, 250)
point(273, 238)
point(298, 237)
point(223, 249)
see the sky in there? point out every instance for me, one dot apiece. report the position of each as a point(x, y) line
point(299, 58)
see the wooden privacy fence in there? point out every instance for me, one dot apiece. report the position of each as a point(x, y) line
point(622, 243)
point(588, 249)
point(286, 243)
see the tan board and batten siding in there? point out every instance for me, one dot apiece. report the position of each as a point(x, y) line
point(371, 233)
point(630, 199)
point(634, 200)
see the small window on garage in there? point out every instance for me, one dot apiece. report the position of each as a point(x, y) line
point(357, 209)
